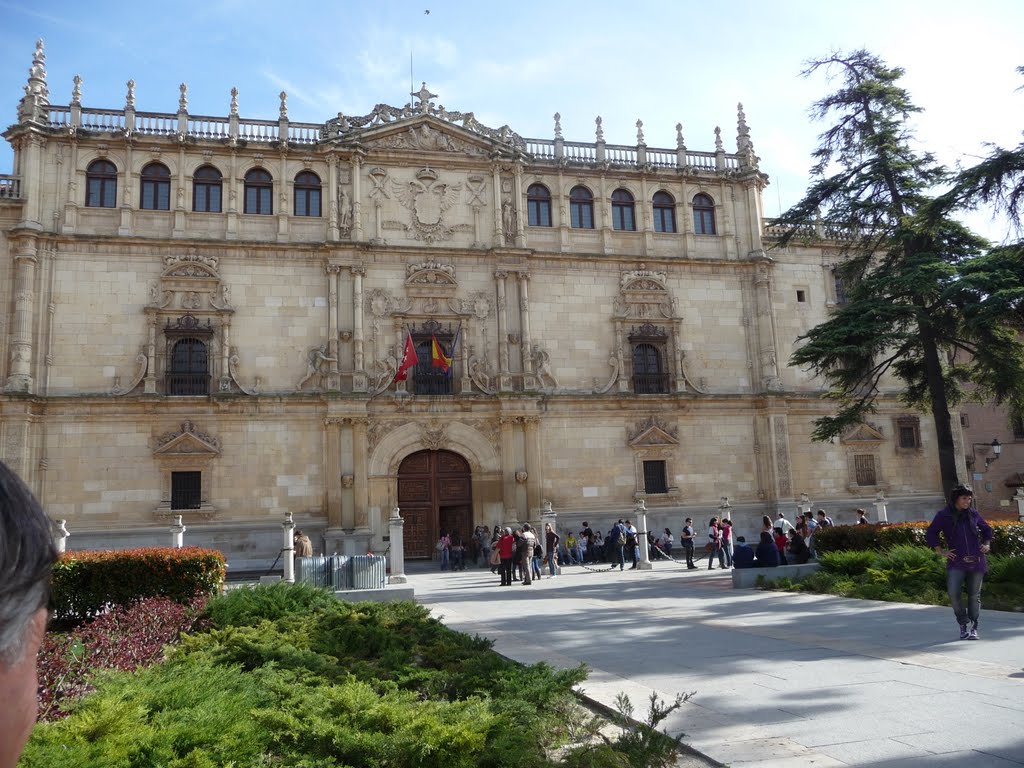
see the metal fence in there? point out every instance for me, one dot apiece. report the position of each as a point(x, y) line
point(342, 572)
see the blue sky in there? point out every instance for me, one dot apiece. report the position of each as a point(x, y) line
point(660, 61)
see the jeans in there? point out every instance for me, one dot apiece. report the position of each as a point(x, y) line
point(688, 549)
point(536, 567)
point(551, 563)
point(505, 569)
point(955, 580)
point(727, 548)
point(711, 557)
point(444, 559)
point(618, 555)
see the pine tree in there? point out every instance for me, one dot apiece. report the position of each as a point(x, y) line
point(926, 303)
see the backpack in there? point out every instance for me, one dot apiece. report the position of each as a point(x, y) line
point(615, 537)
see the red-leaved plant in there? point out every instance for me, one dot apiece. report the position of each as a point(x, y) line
point(125, 638)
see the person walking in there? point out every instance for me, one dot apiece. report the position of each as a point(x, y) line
point(617, 546)
point(506, 545)
point(967, 539)
point(686, 537)
point(726, 528)
point(632, 543)
point(529, 541)
point(551, 540)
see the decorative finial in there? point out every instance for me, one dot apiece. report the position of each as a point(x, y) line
point(283, 113)
point(183, 98)
point(424, 96)
point(600, 131)
point(37, 96)
point(130, 101)
point(558, 125)
point(679, 136)
point(76, 91)
point(744, 146)
point(718, 140)
point(38, 69)
point(639, 131)
point(234, 102)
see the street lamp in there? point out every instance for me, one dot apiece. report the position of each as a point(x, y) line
point(995, 446)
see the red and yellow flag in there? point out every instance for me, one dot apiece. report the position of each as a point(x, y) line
point(438, 359)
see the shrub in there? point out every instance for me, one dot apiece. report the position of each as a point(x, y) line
point(1007, 537)
point(248, 606)
point(125, 638)
point(846, 562)
point(88, 582)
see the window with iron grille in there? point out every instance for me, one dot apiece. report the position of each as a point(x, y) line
point(427, 378)
point(186, 490)
point(840, 287)
point(864, 469)
point(650, 374)
point(655, 477)
point(1018, 429)
point(908, 431)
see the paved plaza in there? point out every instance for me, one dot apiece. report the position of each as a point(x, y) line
point(780, 679)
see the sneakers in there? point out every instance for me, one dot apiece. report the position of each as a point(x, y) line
point(973, 634)
point(964, 633)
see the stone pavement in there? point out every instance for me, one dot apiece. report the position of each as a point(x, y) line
point(780, 679)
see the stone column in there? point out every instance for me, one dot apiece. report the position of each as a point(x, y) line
point(524, 323)
point(504, 376)
point(360, 381)
point(357, 197)
point(31, 181)
point(641, 535)
point(225, 354)
point(19, 378)
point(396, 527)
point(768, 366)
point(508, 463)
point(881, 514)
point(332, 198)
point(517, 204)
point(128, 189)
point(333, 278)
point(532, 449)
point(288, 548)
point(177, 533)
point(284, 199)
point(361, 496)
point(179, 196)
point(332, 471)
point(149, 384)
point(231, 233)
point(499, 235)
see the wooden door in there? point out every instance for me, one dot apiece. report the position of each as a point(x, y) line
point(434, 494)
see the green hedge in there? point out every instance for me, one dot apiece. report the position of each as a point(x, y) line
point(87, 582)
point(1008, 538)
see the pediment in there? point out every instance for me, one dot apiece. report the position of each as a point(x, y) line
point(652, 434)
point(431, 273)
point(188, 441)
point(426, 134)
point(861, 434)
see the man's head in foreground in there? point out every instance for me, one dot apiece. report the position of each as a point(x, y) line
point(26, 559)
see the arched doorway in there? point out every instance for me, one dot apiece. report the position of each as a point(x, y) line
point(434, 494)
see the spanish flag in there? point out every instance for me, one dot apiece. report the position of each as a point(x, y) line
point(437, 357)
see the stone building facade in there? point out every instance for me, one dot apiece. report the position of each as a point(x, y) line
point(205, 315)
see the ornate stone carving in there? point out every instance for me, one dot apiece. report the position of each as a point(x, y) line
point(542, 365)
point(434, 436)
point(652, 432)
point(233, 375)
point(188, 439)
point(381, 303)
point(428, 199)
point(315, 359)
point(481, 375)
point(430, 273)
point(141, 365)
point(603, 389)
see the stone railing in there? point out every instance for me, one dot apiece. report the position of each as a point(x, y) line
point(10, 187)
point(773, 230)
point(76, 118)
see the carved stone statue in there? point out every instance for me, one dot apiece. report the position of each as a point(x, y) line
point(344, 212)
point(314, 362)
point(508, 220)
point(542, 364)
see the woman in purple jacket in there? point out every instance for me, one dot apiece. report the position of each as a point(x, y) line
point(968, 539)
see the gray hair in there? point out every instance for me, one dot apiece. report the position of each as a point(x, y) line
point(27, 555)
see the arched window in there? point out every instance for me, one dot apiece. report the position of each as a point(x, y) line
point(704, 215)
point(429, 379)
point(101, 184)
point(259, 192)
point(538, 205)
point(581, 208)
point(187, 371)
point(156, 188)
point(664, 212)
point(623, 211)
point(307, 194)
point(206, 189)
point(648, 370)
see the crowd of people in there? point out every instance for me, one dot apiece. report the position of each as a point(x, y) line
point(521, 553)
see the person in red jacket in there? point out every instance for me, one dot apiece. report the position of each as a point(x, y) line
point(507, 550)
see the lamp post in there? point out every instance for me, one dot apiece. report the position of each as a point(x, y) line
point(995, 446)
